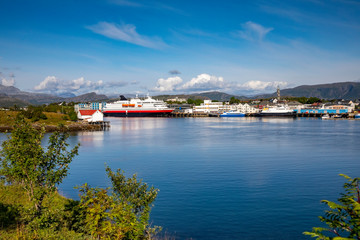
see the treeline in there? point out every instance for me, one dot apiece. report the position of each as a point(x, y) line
point(31, 208)
point(36, 113)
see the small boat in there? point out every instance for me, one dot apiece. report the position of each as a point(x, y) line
point(326, 116)
point(232, 114)
point(357, 116)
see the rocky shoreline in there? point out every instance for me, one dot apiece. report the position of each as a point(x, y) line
point(74, 127)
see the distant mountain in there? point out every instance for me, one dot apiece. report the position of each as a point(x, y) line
point(6, 101)
point(220, 96)
point(341, 90)
point(12, 95)
point(88, 97)
point(32, 98)
point(66, 95)
point(9, 90)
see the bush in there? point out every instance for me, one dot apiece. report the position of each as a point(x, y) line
point(343, 218)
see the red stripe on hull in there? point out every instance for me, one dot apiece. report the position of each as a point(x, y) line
point(139, 111)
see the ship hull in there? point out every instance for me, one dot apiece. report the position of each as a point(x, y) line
point(232, 115)
point(138, 113)
point(274, 114)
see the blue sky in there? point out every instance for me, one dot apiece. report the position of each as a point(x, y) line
point(179, 46)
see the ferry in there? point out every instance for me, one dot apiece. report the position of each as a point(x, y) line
point(137, 107)
point(277, 111)
point(232, 114)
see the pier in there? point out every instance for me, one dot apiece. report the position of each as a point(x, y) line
point(103, 125)
point(184, 114)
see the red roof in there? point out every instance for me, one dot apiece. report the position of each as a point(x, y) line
point(87, 112)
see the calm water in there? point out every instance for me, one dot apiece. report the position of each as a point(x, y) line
point(226, 178)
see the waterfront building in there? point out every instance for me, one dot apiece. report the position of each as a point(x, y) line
point(90, 115)
point(213, 107)
point(350, 106)
point(176, 99)
point(246, 108)
point(90, 106)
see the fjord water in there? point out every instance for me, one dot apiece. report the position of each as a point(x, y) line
point(238, 178)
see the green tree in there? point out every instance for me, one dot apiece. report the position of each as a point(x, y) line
point(25, 162)
point(343, 218)
point(234, 100)
point(120, 212)
point(190, 101)
point(312, 100)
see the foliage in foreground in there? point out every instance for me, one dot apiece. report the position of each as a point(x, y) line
point(120, 212)
point(25, 162)
point(31, 208)
point(343, 218)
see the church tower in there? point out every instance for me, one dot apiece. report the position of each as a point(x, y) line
point(278, 93)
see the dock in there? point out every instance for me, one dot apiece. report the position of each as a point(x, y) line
point(194, 115)
point(104, 125)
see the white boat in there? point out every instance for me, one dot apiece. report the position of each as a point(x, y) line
point(326, 116)
point(277, 111)
point(137, 107)
point(233, 114)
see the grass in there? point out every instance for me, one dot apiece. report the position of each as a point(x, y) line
point(13, 205)
point(7, 120)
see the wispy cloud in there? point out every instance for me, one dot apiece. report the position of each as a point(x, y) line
point(331, 17)
point(174, 72)
point(262, 86)
point(127, 3)
point(253, 31)
point(146, 4)
point(7, 81)
point(53, 85)
point(206, 82)
point(126, 33)
point(167, 85)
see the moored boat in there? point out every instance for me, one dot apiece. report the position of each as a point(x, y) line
point(137, 107)
point(277, 111)
point(232, 114)
point(326, 116)
point(357, 116)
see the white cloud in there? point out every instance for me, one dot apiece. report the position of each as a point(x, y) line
point(262, 86)
point(53, 85)
point(167, 85)
point(8, 82)
point(126, 33)
point(254, 31)
point(207, 82)
point(50, 84)
point(204, 82)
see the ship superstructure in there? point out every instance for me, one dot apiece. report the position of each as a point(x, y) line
point(137, 107)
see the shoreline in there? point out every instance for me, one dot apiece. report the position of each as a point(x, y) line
point(75, 127)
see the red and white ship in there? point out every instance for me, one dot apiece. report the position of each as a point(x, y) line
point(137, 107)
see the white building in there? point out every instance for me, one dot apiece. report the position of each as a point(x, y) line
point(213, 107)
point(176, 99)
point(219, 107)
point(91, 115)
point(246, 108)
point(350, 107)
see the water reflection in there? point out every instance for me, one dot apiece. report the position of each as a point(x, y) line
point(91, 139)
point(136, 124)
